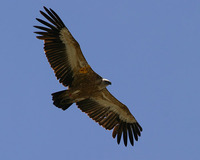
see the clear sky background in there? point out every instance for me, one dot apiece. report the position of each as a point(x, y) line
point(149, 50)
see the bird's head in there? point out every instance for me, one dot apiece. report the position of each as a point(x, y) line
point(103, 83)
point(106, 82)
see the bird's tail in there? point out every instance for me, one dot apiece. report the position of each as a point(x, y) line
point(62, 99)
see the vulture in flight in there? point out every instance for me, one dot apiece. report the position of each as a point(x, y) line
point(85, 87)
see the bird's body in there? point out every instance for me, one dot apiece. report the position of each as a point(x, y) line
point(85, 87)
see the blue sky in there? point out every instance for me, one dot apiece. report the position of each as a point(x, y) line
point(150, 52)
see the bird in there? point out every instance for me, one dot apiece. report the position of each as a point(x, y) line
point(85, 87)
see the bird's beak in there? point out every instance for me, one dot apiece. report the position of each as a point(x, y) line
point(109, 83)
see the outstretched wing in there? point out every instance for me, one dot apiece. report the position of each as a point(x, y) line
point(110, 113)
point(62, 50)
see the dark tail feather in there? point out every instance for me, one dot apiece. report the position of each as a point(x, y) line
point(62, 99)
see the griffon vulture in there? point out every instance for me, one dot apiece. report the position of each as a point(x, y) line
point(85, 87)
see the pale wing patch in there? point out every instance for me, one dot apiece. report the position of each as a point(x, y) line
point(123, 114)
point(72, 49)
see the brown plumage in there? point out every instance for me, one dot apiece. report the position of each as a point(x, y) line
point(85, 87)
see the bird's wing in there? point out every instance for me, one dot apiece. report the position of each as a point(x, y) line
point(110, 113)
point(62, 50)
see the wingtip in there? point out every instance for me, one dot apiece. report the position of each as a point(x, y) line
point(40, 37)
point(133, 131)
point(140, 128)
point(38, 19)
point(44, 7)
point(41, 12)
